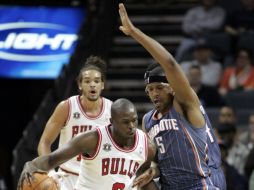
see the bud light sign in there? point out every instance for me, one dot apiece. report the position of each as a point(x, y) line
point(36, 41)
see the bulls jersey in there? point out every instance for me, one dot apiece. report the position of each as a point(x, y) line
point(182, 151)
point(79, 122)
point(112, 167)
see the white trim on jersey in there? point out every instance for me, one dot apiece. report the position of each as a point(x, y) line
point(69, 111)
point(113, 167)
point(146, 146)
point(98, 146)
point(121, 149)
point(91, 117)
point(78, 122)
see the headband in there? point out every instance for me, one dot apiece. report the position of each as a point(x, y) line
point(154, 78)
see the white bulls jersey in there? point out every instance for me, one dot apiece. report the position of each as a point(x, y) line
point(112, 167)
point(79, 122)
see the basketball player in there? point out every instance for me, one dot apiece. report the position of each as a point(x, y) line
point(77, 114)
point(188, 154)
point(111, 155)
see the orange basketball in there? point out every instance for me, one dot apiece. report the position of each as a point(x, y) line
point(41, 182)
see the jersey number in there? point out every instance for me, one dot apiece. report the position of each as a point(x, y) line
point(118, 186)
point(160, 144)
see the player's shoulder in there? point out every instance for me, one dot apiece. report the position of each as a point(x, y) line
point(148, 115)
point(73, 98)
point(67, 101)
point(103, 128)
point(107, 100)
point(141, 132)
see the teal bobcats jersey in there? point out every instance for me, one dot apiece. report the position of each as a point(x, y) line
point(183, 155)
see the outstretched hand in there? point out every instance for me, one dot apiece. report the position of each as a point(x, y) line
point(144, 178)
point(27, 174)
point(127, 25)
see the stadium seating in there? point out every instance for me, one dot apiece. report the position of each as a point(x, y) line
point(240, 99)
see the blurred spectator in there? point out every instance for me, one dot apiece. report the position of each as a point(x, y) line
point(247, 137)
point(234, 180)
point(239, 76)
point(249, 165)
point(241, 20)
point(227, 132)
point(211, 70)
point(237, 152)
point(208, 95)
point(227, 115)
point(237, 155)
point(208, 17)
point(251, 181)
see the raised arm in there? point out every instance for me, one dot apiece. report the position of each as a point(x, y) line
point(83, 143)
point(184, 94)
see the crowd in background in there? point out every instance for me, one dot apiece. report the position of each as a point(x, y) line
point(216, 54)
point(208, 24)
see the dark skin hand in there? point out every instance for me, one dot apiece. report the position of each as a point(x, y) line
point(123, 119)
point(29, 170)
point(85, 142)
point(44, 163)
point(145, 167)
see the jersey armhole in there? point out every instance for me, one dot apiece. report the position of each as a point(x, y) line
point(98, 145)
point(69, 111)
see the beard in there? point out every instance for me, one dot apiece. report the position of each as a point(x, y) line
point(93, 99)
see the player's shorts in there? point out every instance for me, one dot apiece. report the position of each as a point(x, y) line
point(68, 182)
point(197, 184)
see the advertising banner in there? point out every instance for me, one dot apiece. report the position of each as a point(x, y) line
point(35, 42)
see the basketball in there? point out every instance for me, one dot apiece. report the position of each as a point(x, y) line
point(41, 182)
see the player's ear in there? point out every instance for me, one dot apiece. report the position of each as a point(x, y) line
point(80, 88)
point(79, 84)
point(146, 91)
point(171, 91)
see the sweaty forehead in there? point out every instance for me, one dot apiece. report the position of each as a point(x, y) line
point(91, 73)
point(156, 84)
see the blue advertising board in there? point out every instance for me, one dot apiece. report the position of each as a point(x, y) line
point(35, 42)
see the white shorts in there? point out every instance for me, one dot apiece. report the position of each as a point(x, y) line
point(68, 182)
